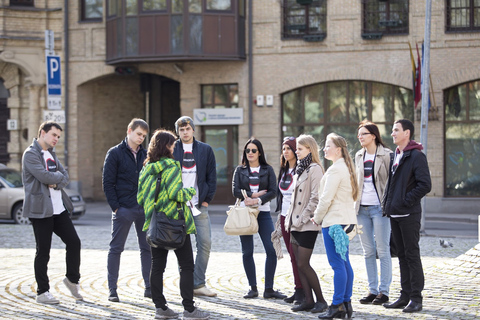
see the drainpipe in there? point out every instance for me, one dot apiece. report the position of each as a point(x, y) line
point(250, 70)
point(66, 57)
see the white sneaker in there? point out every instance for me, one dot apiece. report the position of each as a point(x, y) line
point(204, 291)
point(73, 287)
point(47, 298)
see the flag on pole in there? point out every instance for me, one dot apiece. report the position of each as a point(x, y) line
point(414, 71)
point(418, 80)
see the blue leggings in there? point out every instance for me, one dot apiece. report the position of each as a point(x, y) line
point(342, 271)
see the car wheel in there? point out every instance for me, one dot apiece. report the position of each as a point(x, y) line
point(17, 214)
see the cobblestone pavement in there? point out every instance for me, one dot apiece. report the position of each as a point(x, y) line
point(452, 289)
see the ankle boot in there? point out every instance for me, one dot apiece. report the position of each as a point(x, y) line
point(348, 309)
point(334, 311)
point(291, 298)
point(299, 296)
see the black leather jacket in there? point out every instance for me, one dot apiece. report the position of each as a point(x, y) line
point(410, 183)
point(267, 182)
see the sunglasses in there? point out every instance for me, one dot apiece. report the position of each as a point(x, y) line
point(253, 150)
point(288, 138)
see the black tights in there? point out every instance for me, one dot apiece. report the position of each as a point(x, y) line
point(308, 276)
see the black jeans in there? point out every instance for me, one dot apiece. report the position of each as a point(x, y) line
point(43, 229)
point(186, 265)
point(406, 235)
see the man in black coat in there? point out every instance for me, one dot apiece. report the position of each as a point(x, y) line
point(408, 182)
point(121, 169)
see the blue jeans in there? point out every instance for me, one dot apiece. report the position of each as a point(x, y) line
point(121, 222)
point(265, 229)
point(342, 271)
point(376, 239)
point(204, 243)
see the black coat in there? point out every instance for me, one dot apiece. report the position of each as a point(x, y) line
point(268, 182)
point(410, 183)
point(120, 175)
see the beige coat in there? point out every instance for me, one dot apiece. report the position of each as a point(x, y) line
point(335, 204)
point(304, 200)
point(380, 173)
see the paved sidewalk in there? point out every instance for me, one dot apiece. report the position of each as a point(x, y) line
point(452, 289)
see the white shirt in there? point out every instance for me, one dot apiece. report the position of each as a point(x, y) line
point(369, 194)
point(55, 195)
point(254, 187)
point(189, 172)
point(286, 186)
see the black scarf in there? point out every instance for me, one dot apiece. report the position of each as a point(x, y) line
point(303, 164)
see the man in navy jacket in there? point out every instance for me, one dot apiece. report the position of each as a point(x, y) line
point(198, 171)
point(121, 169)
point(408, 182)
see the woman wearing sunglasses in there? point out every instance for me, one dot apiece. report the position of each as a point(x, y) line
point(257, 178)
point(372, 163)
point(288, 163)
point(309, 173)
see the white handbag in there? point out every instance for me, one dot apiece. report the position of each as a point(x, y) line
point(241, 221)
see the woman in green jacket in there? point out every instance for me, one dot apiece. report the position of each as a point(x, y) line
point(160, 161)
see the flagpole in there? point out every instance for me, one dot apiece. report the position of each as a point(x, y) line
point(425, 94)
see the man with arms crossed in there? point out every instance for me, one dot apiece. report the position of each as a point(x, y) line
point(49, 208)
point(198, 171)
point(122, 166)
point(408, 182)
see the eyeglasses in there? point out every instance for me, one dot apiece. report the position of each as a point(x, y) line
point(288, 138)
point(363, 134)
point(253, 150)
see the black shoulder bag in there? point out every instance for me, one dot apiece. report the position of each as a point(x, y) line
point(164, 232)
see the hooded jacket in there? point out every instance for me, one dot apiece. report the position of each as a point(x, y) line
point(410, 183)
point(171, 192)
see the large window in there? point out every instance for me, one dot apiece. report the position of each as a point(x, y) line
point(307, 22)
point(382, 17)
point(463, 15)
point(462, 140)
point(91, 10)
point(339, 107)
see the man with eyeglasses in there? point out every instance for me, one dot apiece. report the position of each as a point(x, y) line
point(199, 170)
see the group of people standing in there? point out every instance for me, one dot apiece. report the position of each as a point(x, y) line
point(381, 191)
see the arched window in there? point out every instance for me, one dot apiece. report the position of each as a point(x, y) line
point(462, 140)
point(339, 107)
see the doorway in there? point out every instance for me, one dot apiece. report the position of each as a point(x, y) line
point(224, 142)
point(4, 116)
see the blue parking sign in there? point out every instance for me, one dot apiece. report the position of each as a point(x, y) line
point(54, 82)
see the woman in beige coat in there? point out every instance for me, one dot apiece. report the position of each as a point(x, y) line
point(335, 211)
point(372, 163)
point(309, 172)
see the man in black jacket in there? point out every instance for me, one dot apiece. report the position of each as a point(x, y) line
point(122, 166)
point(408, 182)
point(199, 170)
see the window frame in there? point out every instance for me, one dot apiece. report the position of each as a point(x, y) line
point(82, 13)
point(322, 17)
point(386, 29)
point(470, 28)
point(212, 104)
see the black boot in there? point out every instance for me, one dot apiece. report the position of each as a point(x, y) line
point(291, 298)
point(334, 311)
point(349, 309)
point(299, 296)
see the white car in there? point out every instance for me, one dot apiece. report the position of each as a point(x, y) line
point(12, 195)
